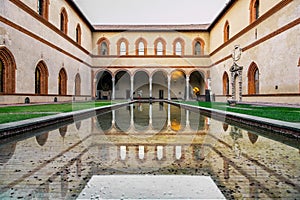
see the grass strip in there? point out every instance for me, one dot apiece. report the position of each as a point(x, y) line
point(272, 112)
point(17, 113)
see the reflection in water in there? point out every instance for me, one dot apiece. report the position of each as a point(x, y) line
point(225, 127)
point(123, 152)
point(6, 152)
point(42, 139)
point(260, 169)
point(63, 131)
point(78, 125)
point(141, 152)
point(178, 152)
point(252, 137)
point(160, 153)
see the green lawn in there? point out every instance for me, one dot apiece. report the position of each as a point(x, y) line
point(279, 113)
point(17, 113)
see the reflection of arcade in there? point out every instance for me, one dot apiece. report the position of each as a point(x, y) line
point(151, 118)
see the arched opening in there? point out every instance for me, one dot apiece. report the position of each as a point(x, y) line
point(42, 8)
point(141, 47)
point(178, 85)
point(197, 85)
point(198, 47)
point(178, 47)
point(254, 10)
point(62, 82)
point(41, 78)
point(160, 85)
point(122, 46)
point(103, 47)
point(64, 21)
point(77, 85)
point(78, 34)
point(104, 85)
point(226, 31)
point(253, 79)
point(122, 85)
point(141, 85)
point(225, 84)
point(160, 47)
point(7, 71)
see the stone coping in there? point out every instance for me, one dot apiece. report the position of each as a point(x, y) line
point(289, 129)
point(150, 187)
point(19, 127)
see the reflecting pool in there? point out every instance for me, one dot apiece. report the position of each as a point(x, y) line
point(148, 139)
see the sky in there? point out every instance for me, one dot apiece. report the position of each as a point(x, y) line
point(150, 11)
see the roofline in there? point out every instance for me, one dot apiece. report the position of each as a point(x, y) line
point(221, 14)
point(81, 15)
point(154, 27)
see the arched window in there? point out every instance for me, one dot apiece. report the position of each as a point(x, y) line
point(160, 47)
point(78, 34)
point(141, 47)
point(104, 49)
point(77, 85)
point(253, 79)
point(198, 47)
point(62, 82)
point(64, 21)
point(225, 84)
point(226, 31)
point(41, 78)
point(178, 47)
point(103, 46)
point(1, 76)
point(42, 8)
point(37, 81)
point(122, 46)
point(254, 10)
point(7, 71)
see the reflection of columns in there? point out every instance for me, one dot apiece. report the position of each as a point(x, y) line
point(169, 87)
point(131, 115)
point(187, 79)
point(113, 118)
point(93, 84)
point(113, 89)
point(150, 87)
point(150, 115)
point(169, 115)
point(187, 118)
point(131, 86)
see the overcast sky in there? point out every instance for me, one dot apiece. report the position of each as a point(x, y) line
point(151, 11)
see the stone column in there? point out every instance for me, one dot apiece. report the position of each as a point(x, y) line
point(150, 87)
point(113, 89)
point(131, 87)
point(187, 79)
point(233, 85)
point(131, 116)
point(169, 87)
